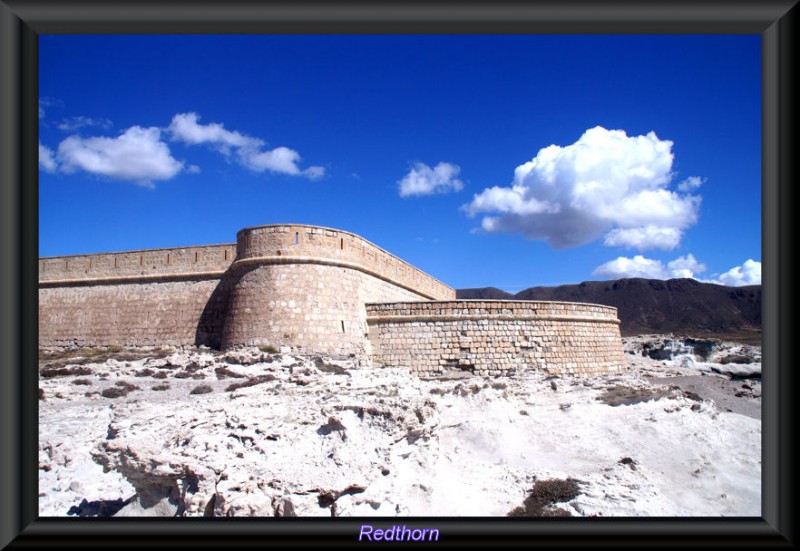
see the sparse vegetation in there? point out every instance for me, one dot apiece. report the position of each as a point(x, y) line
point(202, 389)
point(544, 495)
point(223, 372)
point(81, 382)
point(268, 349)
point(251, 382)
point(161, 387)
point(48, 371)
point(113, 392)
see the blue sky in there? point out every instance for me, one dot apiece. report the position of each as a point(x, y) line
point(506, 161)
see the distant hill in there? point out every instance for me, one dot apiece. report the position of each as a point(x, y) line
point(683, 306)
point(484, 293)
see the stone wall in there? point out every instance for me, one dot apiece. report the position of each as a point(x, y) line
point(132, 313)
point(153, 264)
point(296, 285)
point(306, 287)
point(496, 337)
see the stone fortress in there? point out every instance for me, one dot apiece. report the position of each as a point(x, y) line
point(314, 290)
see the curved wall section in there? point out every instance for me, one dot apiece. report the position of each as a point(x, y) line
point(496, 337)
point(288, 243)
point(305, 287)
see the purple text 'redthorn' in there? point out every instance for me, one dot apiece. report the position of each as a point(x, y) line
point(397, 533)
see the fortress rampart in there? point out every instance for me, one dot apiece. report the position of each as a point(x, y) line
point(312, 289)
point(496, 337)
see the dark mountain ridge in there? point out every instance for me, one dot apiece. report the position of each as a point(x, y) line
point(681, 306)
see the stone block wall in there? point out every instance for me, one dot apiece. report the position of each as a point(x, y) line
point(306, 287)
point(136, 265)
point(296, 285)
point(496, 337)
point(140, 313)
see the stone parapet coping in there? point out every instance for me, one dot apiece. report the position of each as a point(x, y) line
point(181, 276)
point(481, 317)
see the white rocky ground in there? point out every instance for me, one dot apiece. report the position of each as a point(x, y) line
point(319, 437)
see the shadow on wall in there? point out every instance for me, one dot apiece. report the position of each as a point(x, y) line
point(212, 320)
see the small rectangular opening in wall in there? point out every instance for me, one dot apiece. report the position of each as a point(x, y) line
point(196, 256)
point(341, 243)
point(297, 238)
point(115, 261)
point(168, 259)
point(226, 254)
point(342, 326)
point(141, 260)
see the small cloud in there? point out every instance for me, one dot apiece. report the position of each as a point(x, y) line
point(76, 123)
point(47, 102)
point(639, 266)
point(691, 183)
point(685, 266)
point(424, 180)
point(47, 161)
point(193, 169)
point(607, 184)
point(137, 155)
point(748, 273)
point(646, 237)
point(186, 127)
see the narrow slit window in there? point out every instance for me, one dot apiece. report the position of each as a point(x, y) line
point(226, 254)
point(115, 261)
point(168, 259)
point(342, 326)
point(341, 243)
point(296, 238)
point(196, 256)
point(141, 260)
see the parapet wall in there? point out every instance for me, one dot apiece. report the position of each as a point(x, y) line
point(496, 337)
point(201, 261)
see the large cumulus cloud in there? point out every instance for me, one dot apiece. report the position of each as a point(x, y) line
point(606, 185)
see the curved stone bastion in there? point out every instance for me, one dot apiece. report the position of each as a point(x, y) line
point(314, 290)
point(496, 337)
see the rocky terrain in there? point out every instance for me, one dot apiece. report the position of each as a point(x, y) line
point(196, 432)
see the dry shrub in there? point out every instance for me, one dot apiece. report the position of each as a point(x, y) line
point(544, 494)
point(251, 382)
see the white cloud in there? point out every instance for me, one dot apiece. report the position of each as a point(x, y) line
point(424, 180)
point(46, 160)
point(606, 184)
point(186, 128)
point(643, 237)
point(76, 123)
point(639, 266)
point(685, 266)
point(137, 155)
point(748, 273)
point(691, 183)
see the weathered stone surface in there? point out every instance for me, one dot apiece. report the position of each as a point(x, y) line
point(305, 289)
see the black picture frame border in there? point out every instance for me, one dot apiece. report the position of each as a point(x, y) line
point(21, 21)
